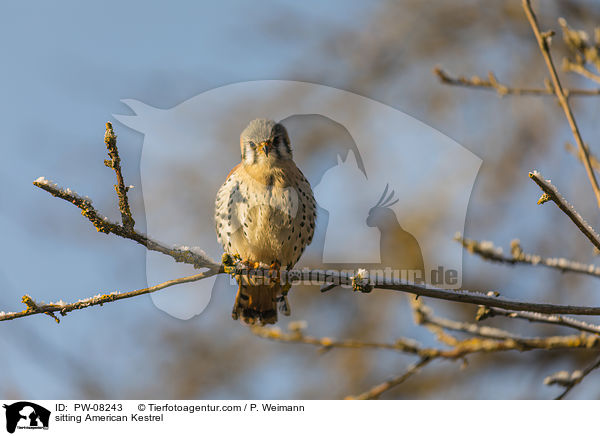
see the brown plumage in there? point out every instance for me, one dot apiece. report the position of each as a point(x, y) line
point(265, 212)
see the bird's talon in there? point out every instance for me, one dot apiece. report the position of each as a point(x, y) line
point(229, 263)
point(275, 273)
point(227, 259)
point(283, 306)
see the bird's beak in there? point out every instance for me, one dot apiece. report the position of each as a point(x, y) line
point(265, 147)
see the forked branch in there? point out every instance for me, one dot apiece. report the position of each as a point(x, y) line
point(493, 84)
point(543, 40)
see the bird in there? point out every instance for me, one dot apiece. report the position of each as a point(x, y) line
point(265, 214)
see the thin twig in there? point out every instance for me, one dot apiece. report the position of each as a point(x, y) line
point(551, 193)
point(578, 42)
point(296, 335)
point(376, 391)
point(546, 319)
point(470, 297)
point(488, 251)
point(97, 300)
point(458, 350)
point(110, 139)
point(426, 318)
point(593, 159)
point(189, 255)
point(328, 287)
point(544, 45)
point(569, 381)
point(490, 298)
point(492, 84)
point(581, 70)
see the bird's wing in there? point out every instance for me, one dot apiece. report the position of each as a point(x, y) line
point(231, 209)
point(306, 217)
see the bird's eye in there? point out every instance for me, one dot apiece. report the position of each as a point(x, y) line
point(252, 144)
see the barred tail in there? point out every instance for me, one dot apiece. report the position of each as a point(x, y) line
point(257, 304)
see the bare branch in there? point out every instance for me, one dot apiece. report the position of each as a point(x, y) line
point(315, 277)
point(488, 251)
point(376, 391)
point(490, 298)
point(492, 84)
point(461, 296)
point(198, 259)
point(296, 334)
point(583, 50)
point(546, 319)
point(478, 345)
point(34, 308)
point(426, 318)
point(189, 255)
point(110, 139)
point(569, 381)
point(551, 193)
point(544, 45)
point(580, 69)
point(593, 159)
point(458, 351)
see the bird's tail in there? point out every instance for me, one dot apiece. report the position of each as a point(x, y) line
point(256, 304)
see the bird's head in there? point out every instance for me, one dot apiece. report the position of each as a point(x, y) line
point(264, 142)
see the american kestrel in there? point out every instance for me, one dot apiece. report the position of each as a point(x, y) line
point(264, 213)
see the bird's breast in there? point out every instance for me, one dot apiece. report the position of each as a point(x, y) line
point(274, 210)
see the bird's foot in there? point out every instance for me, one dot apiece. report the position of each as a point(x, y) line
point(230, 262)
point(283, 305)
point(274, 273)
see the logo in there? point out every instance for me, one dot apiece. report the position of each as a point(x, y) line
point(391, 191)
point(26, 415)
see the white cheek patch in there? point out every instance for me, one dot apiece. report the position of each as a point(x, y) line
point(249, 155)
